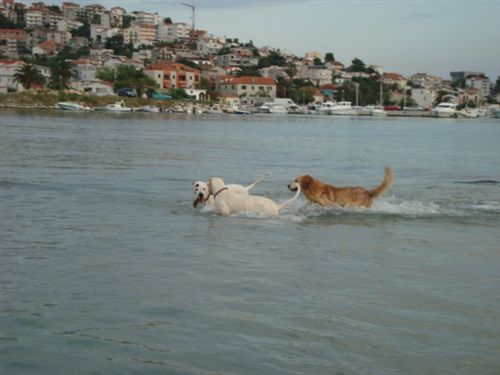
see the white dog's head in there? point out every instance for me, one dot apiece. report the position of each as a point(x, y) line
point(201, 191)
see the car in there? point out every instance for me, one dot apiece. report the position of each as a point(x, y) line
point(392, 108)
point(125, 91)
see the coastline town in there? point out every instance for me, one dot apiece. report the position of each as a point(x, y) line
point(88, 57)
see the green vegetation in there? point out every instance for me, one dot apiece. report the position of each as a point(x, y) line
point(127, 76)
point(5, 23)
point(274, 58)
point(29, 76)
point(62, 72)
point(119, 48)
point(329, 57)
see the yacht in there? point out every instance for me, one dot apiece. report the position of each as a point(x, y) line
point(375, 110)
point(342, 108)
point(445, 109)
point(325, 108)
point(116, 107)
point(273, 108)
point(468, 113)
point(72, 106)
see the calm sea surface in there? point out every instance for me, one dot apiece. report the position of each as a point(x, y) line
point(106, 268)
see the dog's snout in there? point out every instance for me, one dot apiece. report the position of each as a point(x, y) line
point(200, 195)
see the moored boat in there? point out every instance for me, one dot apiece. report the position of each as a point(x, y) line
point(445, 109)
point(149, 109)
point(72, 106)
point(342, 108)
point(116, 107)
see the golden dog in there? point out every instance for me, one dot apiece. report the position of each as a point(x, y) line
point(329, 195)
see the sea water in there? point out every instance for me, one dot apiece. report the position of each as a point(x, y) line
point(106, 267)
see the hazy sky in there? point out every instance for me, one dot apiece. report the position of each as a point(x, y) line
point(405, 36)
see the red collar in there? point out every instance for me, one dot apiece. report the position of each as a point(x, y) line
point(221, 190)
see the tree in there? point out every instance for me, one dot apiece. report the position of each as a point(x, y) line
point(274, 58)
point(317, 61)
point(291, 70)
point(167, 20)
point(329, 57)
point(248, 71)
point(357, 65)
point(106, 74)
point(5, 23)
point(28, 76)
point(128, 76)
point(119, 48)
point(496, 88)
point(82, 31)
point(62, 72)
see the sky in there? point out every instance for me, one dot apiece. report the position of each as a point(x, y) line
point(405, 36)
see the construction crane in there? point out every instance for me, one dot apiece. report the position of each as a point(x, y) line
point(193, 8)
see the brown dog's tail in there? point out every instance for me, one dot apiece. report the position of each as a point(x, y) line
point(385, 185)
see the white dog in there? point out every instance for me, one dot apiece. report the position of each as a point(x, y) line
point(227, 202)
point(200, 190)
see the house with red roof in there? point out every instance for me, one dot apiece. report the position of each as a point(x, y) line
point(394, 79)
point(174, 75)
point(48, 47)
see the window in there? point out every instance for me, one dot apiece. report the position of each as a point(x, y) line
point(243, 87)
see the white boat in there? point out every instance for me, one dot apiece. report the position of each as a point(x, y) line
point(278, 109)
point(237, 110)
point(71, 106)
point(342, 108)
point(468, 113)
point(116, 107)
point(445, 109)
point(325, 108)
point(149, 109)
point(273, 108)
point(375, 110)
point(214, 110)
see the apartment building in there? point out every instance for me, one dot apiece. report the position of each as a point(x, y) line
point(176, 75)
point(249, 89)
point(238, 57)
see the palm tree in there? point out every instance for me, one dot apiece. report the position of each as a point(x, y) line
point(62, 73)
point(28, 75)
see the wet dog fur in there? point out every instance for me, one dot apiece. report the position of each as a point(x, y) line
point(328, 195)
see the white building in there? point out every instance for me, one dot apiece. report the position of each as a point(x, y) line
point(172, 32)
point(157, 75)
point(480, 83)
point(7, 70)
point(208, 46)
point(86, 69)
point(100, 34)
point(423, 97)
point(273, 72)
point(34, 18)
point(67, 25)
point(317, 74)
point(96, 87)
point(238, 57)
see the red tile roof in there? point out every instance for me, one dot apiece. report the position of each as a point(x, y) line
point(249, 81)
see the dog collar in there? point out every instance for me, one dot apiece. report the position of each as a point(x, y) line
point(221, 190)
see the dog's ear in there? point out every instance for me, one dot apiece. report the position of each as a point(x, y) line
point(305, 182)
